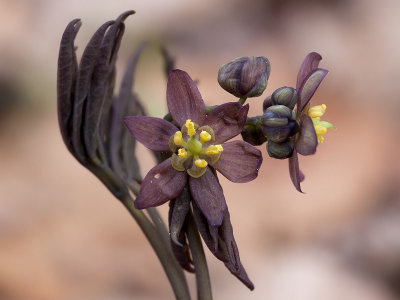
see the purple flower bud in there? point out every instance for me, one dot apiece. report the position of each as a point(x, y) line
point(245, 77)
point(280, 150)
point(286, 96)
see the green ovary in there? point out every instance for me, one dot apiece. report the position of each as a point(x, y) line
point(194, 152)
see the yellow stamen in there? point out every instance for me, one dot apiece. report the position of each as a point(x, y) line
point(320, 130)
point(190, 127)
point(317, 111)
point(320, 139)
point(201, 163)
point(205, 136)
point(178, 138)
point(182, 153)
point(214, 149)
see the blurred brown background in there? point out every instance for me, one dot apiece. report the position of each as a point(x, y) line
point(63, 236)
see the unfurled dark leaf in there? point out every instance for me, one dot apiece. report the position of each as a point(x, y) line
point(169, 61)
point(121, 145)
point(85, 72)
point(66, 80)
point(100, 81)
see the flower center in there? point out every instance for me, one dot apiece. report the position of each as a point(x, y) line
point(321, 127)
point(193, 150)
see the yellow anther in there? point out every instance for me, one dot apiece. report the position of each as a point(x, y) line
point(178, 140)
point(214, 149)
point(320, 139)
point(320, 130)
point(317, 111)
point(205, 136)
point(190, 127)
point(201, 163)
point(182, 153)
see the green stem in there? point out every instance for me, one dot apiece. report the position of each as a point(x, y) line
point(199, 260)
point(242, 100)
point(171, 267)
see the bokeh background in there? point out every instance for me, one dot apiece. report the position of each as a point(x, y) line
point(63, 236)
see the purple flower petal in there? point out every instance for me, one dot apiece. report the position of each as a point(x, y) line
point(154, 133)
point(310, 63)
point(183, 98)
point(306, 142)
point(309, 87)
point(161, 184)
point(295, 174)
point(227, 120)
point(239, 162)
point(209, 197)
point(228, 248)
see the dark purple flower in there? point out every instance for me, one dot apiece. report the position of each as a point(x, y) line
point(199, 148)
point(306, 141)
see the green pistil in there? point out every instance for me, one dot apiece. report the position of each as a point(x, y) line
point(194, 145)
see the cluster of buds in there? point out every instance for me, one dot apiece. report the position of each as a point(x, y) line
point(288, 125)
point(278, 123)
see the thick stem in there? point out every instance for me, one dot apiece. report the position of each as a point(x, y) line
point(199, 260)
point(171, 267)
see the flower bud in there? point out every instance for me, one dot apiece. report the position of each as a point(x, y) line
point(245, 77)
point(267, 103)
point(278, 124)
point(252, 132)
point(280, 150)
point(286, 96)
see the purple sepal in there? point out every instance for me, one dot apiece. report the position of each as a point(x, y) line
point(295, 174)
point(228, 248)
point(183, 98)
point(178, 210)
point(209, 197)
point(239, 161)
point(208, 233)
point(161, 184)
point(227, 120)
point(308, 88)
point(152, 132)
point(306, 142)
point(309, 64)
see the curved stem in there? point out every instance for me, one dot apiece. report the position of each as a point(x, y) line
point(171, 267)
point(199, 260)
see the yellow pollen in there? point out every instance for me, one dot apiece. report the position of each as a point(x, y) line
point(182, 153)
point(201, 163)
point(317, 111)
point(205, 136)
point(190, 127)
point(178, 138)
point(214, 149)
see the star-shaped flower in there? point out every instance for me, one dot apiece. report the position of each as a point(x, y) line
point(199, 147)
point(311, 127)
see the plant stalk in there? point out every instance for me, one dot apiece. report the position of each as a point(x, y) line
point(203, 283)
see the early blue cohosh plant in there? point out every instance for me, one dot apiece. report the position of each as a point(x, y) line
point(191, 144)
